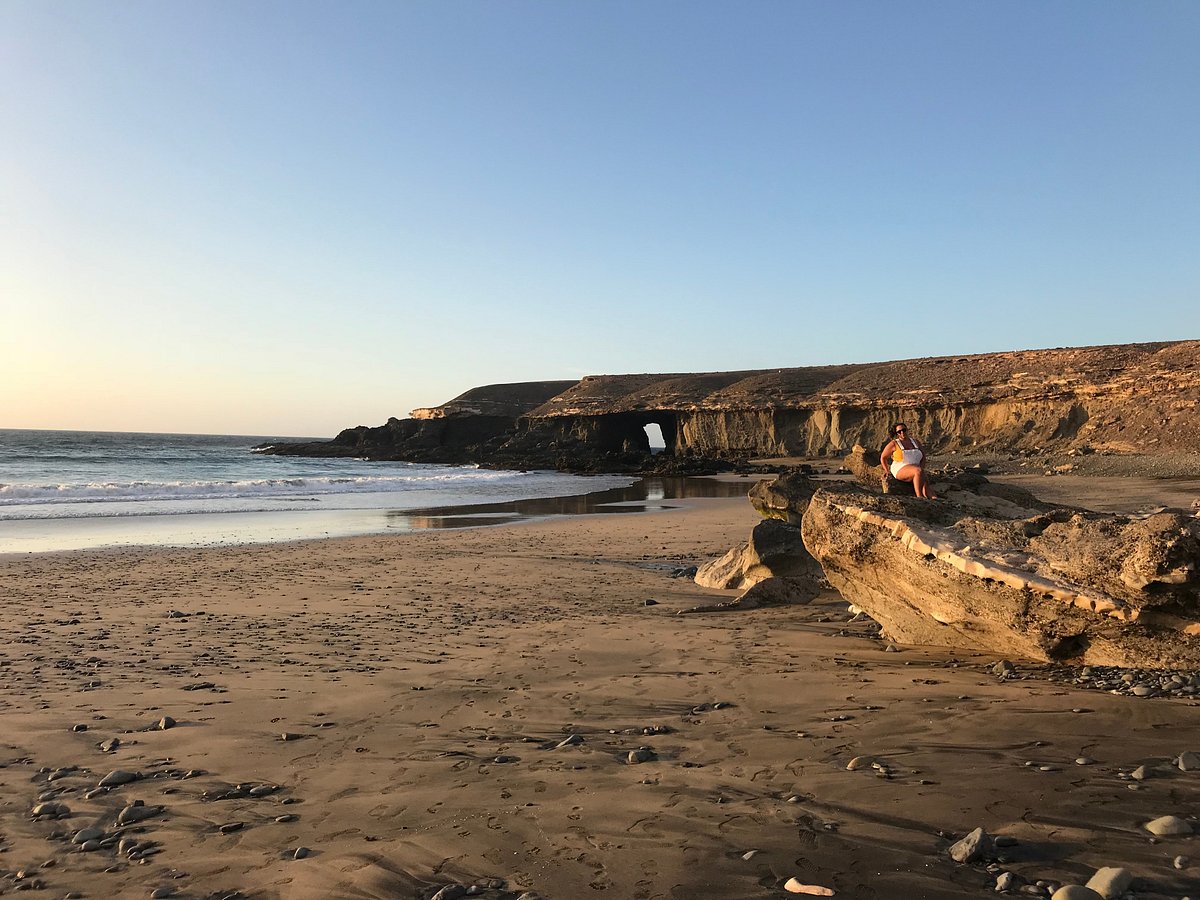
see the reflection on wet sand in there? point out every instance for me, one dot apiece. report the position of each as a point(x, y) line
point(646, 495)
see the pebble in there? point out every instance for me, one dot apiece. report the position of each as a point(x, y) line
point(749, 855)
point(231, 827)
point(975, 845)
point(286, 818)
point(859, 762)
point(1168, 826)
point(52, 810)
point(1006, 881)
point(1075, 892)
point(1141, 773)
point(83, 835)
point(569, 741)
point(290, 736)
point(161, 892)
point(450, 892)
point(795, 886)
point(165, 722)
point(1189, 761)
point(641, 755)
point(136, 812)
point(110, 745)
point(1180, 862)
point(301, 853)
point(78, 728)
point(1084, 761)
point(1110, 882)
point(117, 777)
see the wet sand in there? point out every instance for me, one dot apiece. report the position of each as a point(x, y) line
point(424, 682)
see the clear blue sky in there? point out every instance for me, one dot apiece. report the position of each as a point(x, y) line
point(291, 217)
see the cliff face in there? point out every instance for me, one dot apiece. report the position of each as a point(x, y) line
point(1127, 398)
point(1142, 398)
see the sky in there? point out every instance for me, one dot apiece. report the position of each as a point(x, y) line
point(287, 218)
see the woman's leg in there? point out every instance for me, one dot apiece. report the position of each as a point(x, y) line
point(920, 480)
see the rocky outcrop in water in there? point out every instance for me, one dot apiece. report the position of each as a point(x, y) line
point(991, 567)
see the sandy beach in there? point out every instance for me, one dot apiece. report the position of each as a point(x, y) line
point(379, 717)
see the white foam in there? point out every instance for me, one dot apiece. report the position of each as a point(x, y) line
point(124, 491)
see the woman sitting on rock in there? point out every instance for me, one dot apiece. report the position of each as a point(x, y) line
point(903, 458)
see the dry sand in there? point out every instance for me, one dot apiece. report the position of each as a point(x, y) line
point(425, 680)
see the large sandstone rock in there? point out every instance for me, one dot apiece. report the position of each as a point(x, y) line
point(994, 569)
point(774, 550)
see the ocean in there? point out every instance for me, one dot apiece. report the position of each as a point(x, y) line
point(64, 490)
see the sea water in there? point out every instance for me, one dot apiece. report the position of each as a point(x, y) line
point(62, 490)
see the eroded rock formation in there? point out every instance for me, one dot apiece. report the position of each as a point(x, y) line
point(1134, 398)
point(993, 568)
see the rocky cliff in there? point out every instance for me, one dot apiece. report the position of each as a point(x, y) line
point(1131, 398)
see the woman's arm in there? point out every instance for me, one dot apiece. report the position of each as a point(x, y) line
point(885, 454)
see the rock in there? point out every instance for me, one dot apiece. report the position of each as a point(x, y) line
point(860, 762)
point(775, 549)
point(1081, 587)
point(1004, 669)
point(301, 853)
point(110, 745)
point(1189, 761)
point(51, 810)
point(795, 886)
point(781, 591)
point(1006, 881)
point(164, 723)
point(450, 892)
point(83, 835)
point(976, 845)
point(784, 498)
point(118, 777)
point(1168, 826)
point(640, 755)
point(1141, 773)
point(79, 728)
point(137, 812)
point(162, 892)
point(1075, 892)
point(1110, 882)
point(569, 741)
point(768, 592)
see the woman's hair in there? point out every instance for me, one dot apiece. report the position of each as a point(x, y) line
point(896, 425)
